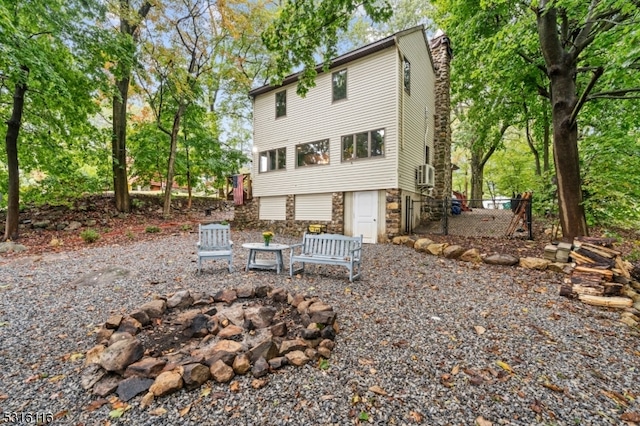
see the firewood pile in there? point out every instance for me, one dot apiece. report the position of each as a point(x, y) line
point(601, 277)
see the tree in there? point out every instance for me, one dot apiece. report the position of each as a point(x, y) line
point(578, 46)
point(130, 20)
point(49, 82)
point(305, 27)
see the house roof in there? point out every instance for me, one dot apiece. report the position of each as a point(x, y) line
point(358, 53)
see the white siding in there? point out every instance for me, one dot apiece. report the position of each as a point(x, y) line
point(313, 207)
point(273, 208)
point(417, 108)
point(370, 105)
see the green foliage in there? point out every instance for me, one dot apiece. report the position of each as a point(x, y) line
point(304, 27)
point(89, 235)
point(152, 229)
point(185, 227)
point(364, 416)
point(323, 364)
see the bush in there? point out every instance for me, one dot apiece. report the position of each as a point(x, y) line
point(89, 236)
point(151, 229)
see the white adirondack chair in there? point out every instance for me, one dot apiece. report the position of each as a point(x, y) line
point(215, 243)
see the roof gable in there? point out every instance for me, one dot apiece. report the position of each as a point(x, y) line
point(351, 56)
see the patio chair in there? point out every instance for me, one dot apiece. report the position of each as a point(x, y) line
point(215, 243)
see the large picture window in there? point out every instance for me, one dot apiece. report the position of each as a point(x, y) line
point(363, 145)
point(308, 154)
point(339, 85)
point(275, 159)
point(281, 104)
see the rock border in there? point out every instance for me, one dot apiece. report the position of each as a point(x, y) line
point(233, 332)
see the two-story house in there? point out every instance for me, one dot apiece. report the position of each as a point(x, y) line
point(359, 148)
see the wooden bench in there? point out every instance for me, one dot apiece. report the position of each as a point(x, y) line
point(328, 249)
point(215, 243)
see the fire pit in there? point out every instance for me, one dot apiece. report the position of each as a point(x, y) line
point(184, 339)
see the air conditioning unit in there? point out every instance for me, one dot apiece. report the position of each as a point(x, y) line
point(425, 175)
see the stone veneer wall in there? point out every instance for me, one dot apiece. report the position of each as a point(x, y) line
point(441, 51)
point(393, 213)
point(247, 217)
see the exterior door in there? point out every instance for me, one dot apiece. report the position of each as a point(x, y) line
point(365, 209)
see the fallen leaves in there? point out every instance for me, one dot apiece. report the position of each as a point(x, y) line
point(416, 416)
point(616, 397)
point(480, 330)
point(630, 416)
point(481, 421)
point(505, 366)
point(378, 390)
point(553, 387)
point(184, 411)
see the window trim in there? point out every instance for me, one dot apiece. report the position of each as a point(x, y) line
point(333, 87)
point(354, 139)
point(269, 153)
point(324, 141)
point(284, 114)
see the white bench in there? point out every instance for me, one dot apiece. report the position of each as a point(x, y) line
point(328, 249)
point(215, 243)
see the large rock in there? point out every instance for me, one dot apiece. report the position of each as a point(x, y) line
point(147, 367)
point(121, 354)
point(132, 386)
point(500, 259)
point(167, 382)
point(107, 385)
point(260, 316)
point(241, 364)
point(226, 296)
point(266, 349)
point(180, 299)
point(230, 332)
point(155, 308)
point(436, 249)
point(297, 358)
point(195, 375)
point(235, 314)
point(292, 345)
point(421, 244)
point(400, 239)
point(453, 251)
point(471, 255)
point(534, 263)
point(221, 372)
point(318, 307)
point(91, 375)
point(260, 368)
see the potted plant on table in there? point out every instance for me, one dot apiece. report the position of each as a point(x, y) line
point(267, 235)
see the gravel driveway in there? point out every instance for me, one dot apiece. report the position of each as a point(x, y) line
point(423, 340)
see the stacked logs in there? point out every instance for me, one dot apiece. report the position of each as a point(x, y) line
point(600, 276)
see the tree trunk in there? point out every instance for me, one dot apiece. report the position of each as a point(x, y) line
point(166, 211)
point(561, 70)
point(119, 146)
point(477, 180)
point(11, 143)
point(565, 152)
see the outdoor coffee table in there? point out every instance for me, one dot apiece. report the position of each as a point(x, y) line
point(277, 264)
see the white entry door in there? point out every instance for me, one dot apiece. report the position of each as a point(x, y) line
point(365, 209)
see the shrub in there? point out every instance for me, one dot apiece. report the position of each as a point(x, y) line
point(89, 236)
point(152, 229)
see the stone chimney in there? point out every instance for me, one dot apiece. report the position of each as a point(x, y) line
point(442, 54)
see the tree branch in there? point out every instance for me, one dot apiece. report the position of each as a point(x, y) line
point(531, 61)
point(616, 94)
point(583, 98)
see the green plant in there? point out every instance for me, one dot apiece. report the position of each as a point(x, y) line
point(89, 235)
point(323, 364)
point(130, 235)
point(185, 227)
point(364, 416)
point(137, 203)
point(152, 229)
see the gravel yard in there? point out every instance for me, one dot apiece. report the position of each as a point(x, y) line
point(423, 340)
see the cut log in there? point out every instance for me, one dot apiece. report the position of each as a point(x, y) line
point(581, 259)
point(602, 251)
point(612, 289)
point(597, 241)
point(597, 258)
point(566, 290)
point(606, 274)
point(623, 267)
point(591, 290)
point(611, 302)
